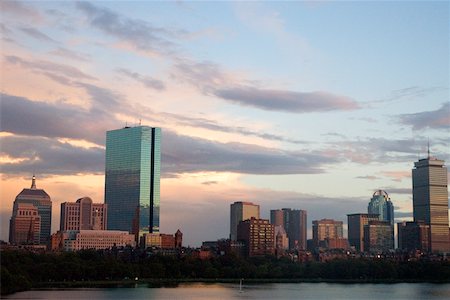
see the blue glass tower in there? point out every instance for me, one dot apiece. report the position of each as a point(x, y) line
point(381, 204)
point(132, 181)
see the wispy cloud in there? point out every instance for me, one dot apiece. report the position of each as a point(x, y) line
point(288, 101)
point(21, 9)
point(436, 119)
point(66, 53)
point(47, 67)
point(147, 81)
point(36, 34)
point(210, 79)
point(141, 35)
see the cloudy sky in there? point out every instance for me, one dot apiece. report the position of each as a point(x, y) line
point(308, 105)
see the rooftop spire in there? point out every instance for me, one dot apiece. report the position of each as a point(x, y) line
point(33, 182)
point(428, 148)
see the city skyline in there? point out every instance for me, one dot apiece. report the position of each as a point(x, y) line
point(304, 105)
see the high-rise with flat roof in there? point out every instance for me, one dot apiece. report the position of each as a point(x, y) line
point(132, 179)
point(294, 223)
point(326, 229)
point(258, 236)
point(41, 200)
point(430, 200)
point(241, 211)
point(356, 223)
point(83, 215)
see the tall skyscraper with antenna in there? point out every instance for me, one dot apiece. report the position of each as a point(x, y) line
point(430, 200)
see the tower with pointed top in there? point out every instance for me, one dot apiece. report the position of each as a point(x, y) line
point(430, 200)
point(42, 202)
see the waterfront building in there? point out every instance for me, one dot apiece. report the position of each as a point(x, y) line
point(132, 179)
point(41, 200)
point(25, 225)
point(382, 205)
point(378, 236)
point(326, 229)
point(258, 236)
point(83, 215)
point(413, 236)
point(241, 211)
point(430, 200)
point(294, 223)
point(356, 223)
point(74, 240)
point(162, 240)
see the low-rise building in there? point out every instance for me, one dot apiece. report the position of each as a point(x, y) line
point(74, 240)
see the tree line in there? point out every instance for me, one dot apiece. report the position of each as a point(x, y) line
point(22, 270)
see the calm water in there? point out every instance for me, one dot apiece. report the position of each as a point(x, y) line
point(256, 291)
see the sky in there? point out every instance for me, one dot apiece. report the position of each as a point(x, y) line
point(301, 104)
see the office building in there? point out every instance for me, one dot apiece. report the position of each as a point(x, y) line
point(378, 237)
point(281, 239)
point(241, 211)
point(162, 240)
point(132, 179)
point(41, 200)
point(294, 223)
point(25, 225)
point(430, 200)
point(326, 229)
point(83, 215)
point(413, 236)
point(258, 237)
point(356, 223)
point(381, 204)
point(74, 240)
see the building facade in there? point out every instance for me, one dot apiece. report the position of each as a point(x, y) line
point(83, 215)
point(25, 225)
point(132, 179)
point(241, 211)
point(326, 229)
point(378, 237)
point(258, 236)
point(356, 223)
point(413, 236)
point(162, 240)
point(294, 223)
point(41, 200)
point(382, 205)
point(75, 240)
point(430, 200)
point(281, 239)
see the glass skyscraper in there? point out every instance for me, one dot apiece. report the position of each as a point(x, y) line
point(132, 181)
point(430, 200)
point(381, 204)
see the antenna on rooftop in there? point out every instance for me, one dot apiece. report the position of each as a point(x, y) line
point(428, 148)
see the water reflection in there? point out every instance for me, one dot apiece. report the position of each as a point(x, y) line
point(250, 291)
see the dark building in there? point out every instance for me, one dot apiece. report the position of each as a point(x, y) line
point(430, 200)
point(258, 236)
point(413, 236)
point(356, 223)
point(294, 223)
point(132, 179)
point(378, 236)
point(41, 200)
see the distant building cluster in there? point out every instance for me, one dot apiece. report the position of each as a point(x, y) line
point(130, 214)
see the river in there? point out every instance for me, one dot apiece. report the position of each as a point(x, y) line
point(213, 291)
